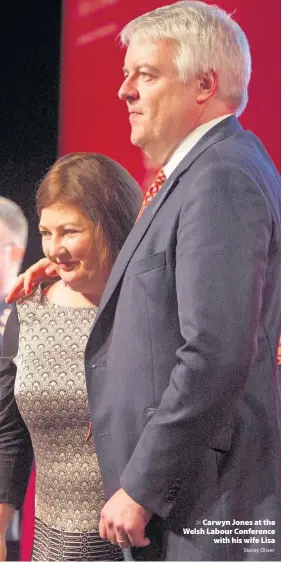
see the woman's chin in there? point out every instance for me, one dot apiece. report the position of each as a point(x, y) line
point(70, 280)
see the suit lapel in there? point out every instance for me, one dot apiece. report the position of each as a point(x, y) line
point(216, 134)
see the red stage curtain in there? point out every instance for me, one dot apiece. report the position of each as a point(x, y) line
point(93, 119)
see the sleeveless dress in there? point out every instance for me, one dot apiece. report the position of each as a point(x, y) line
point(50, 392)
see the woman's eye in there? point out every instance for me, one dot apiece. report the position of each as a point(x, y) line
point(44, 233)
point(69, 231)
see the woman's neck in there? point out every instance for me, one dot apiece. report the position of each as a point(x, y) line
point(63, 295)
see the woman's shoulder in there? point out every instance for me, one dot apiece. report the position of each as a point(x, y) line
point(52, 289)
point(36, 298)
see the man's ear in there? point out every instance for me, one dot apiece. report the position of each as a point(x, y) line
point(17, 254)
point(207, 86)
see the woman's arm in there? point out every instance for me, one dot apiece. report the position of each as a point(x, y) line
point(6, 515)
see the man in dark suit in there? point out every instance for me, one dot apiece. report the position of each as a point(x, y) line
point(13, 239)
point(181, 361)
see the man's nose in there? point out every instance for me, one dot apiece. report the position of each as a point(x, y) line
point(128, 91)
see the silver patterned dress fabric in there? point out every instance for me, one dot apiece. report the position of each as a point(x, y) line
point(51, 395)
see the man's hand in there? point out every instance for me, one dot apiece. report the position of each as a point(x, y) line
point(123, 521)
point(27, 281)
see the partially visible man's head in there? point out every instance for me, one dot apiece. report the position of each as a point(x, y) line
point(193, 59)
point(13, 240)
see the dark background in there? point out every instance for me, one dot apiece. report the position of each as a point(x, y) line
point(29, 102)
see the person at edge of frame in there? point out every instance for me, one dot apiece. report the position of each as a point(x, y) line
point(13, 237)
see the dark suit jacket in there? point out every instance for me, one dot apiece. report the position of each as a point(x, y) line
point(13, 532)
point(181, 361)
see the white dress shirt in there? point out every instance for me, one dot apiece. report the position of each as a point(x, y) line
point(187, 144)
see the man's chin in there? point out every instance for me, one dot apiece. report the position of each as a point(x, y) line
point(136, 140)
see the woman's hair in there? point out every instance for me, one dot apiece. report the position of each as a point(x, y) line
point(101, 189)
point(206, 38)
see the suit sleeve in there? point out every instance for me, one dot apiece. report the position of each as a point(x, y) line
point(16, 453)
point(221, 252)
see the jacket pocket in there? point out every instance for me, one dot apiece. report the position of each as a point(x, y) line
point(222, 441)
point(147, 264)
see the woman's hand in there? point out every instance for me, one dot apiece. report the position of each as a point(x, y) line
point(27, 281)
point(3, 548)
point(6, 514)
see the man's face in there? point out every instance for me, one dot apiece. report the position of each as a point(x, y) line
point(162, 109)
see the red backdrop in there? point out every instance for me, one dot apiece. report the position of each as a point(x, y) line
point(93, 119)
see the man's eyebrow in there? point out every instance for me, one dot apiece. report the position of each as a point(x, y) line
point(142, 65)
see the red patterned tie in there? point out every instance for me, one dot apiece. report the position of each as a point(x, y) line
point(152, 191)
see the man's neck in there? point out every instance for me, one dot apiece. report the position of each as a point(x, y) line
point(186, 145)
point(162, 153)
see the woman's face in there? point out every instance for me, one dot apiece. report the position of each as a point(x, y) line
point(68, 241)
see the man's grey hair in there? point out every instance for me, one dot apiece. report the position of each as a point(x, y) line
point(206, 38)
point(15, 220)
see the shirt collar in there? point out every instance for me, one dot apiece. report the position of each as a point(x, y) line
point(187, 144)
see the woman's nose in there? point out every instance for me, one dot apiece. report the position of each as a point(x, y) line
point(56, 249)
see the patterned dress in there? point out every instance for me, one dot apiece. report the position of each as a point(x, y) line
point(51, 395)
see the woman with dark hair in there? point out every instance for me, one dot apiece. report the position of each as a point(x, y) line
point(87, 204)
